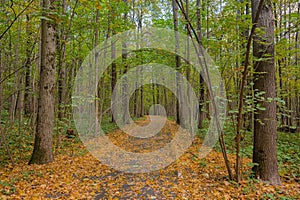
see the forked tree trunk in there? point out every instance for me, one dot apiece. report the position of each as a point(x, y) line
point(265, 133)
point(42, 152)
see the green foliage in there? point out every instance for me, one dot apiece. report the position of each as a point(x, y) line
point(268, 196)
point(8, 187)
point(288, 155)
point(20, 144)
point(225, 27)
point(107, 126)
point(202, 163)
point(288, 151)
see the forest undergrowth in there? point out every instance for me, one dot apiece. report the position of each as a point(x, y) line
point(76, 174)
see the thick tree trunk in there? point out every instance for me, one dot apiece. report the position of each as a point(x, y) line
point(265, 133)
point(42, 152)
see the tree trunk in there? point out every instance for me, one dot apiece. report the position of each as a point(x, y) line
point(177, 59)
point(19, 82)
point(140, 29)
point(113, 71)
point(111, 17)
point(136, 95)
point(62, 78)
point(188, 70)
point(126, 114)
point(201, 116)
point(42, 152)
point(165, 99)
point(1, 69)
point(62, 69)
point(297, 91)
point(265, 133)
point(28, 78)
point(142, 110)
point(96, 35)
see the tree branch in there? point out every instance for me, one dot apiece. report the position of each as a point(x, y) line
point(192, 32)
point(7, 29)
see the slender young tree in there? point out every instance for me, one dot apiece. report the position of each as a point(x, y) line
point(113, 57)
point(96, 42)
point(28, 89)
point(126, 114)
point(62, 81)
point(177, 59)
point(140, 29)
point(297, 79)
point(42, 152)
point(265, 133)
point(201, 81)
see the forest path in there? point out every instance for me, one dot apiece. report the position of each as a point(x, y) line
point(163, 136)
point(76, 174)
point(179, 180)
point(154, 185)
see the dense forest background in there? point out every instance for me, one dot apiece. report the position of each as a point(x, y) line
point(43, 45)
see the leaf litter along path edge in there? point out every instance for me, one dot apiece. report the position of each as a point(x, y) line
point(77, 176)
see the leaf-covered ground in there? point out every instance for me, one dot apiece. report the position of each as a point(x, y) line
point(76, 174)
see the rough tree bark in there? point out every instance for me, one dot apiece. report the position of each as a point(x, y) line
point(265, 133)
point(42, 152)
